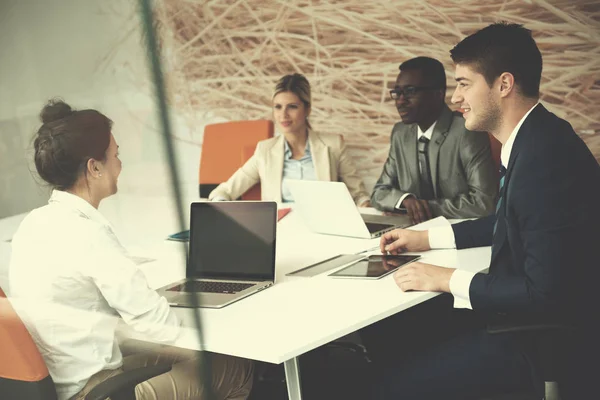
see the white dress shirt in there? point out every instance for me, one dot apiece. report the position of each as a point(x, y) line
point(428, 133)
point(443, 237)
point(302, 169)
point(70, 281)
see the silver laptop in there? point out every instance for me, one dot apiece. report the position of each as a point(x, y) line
point(231, 254)
point(328, 208)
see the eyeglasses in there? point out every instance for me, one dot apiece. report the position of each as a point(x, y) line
point(408, 91)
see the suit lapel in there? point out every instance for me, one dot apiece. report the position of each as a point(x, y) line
point(437, 138)
point(502, 229)
point(408, 146)
point(320, 156)
point(274, 167)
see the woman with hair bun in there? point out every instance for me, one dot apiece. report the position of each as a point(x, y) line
point(73, 279)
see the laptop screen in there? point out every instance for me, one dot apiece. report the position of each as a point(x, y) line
point(233, 240)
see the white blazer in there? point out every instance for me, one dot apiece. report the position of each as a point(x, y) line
point(330, 159)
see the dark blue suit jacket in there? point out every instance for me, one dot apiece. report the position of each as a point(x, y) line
point(545, 266)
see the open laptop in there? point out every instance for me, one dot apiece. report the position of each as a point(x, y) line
point(231, 253)
point(327, 207)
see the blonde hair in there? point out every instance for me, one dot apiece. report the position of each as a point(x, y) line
point(297, 84)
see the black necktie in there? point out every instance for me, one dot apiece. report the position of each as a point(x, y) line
point(427, 192)
point(501, 195)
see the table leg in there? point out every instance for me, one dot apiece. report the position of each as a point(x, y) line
point(292, 377)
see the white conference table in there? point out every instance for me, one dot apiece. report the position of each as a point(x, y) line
point(8, 226)
point(297, 314)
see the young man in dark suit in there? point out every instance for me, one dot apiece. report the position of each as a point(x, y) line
point(435, 166)
point(545, 238)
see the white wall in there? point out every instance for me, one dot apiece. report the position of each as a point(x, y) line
point(89, 53)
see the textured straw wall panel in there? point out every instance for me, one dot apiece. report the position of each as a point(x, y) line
point(225, 55)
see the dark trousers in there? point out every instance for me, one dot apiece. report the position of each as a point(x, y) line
point(409, 333)
point(470, 366)
point(434, 351)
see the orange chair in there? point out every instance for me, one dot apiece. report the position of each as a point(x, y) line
point(24, 375)
point(223, 151)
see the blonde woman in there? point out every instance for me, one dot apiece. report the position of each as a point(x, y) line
point(299, 153)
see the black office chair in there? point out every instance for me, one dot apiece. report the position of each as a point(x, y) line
point(24, 375)
point(549, 356)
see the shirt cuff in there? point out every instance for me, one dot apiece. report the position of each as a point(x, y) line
point(442, 238)
point(460, 282)
point(362, 199)
point(399, 203)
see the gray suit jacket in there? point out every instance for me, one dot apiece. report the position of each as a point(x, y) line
point(462, 169)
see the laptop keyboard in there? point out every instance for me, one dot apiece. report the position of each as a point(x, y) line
point(211, 287)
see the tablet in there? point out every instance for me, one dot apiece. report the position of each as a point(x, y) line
point(326, 265)
point(374, 267)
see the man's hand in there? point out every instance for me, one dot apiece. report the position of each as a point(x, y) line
point(394, 213)
point(389, 263)
point(417, 209)
point(423, 277)
point(366, 203)
point(401, 240)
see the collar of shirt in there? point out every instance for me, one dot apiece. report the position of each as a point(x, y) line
point(75, 202)
point(428, 133)
point(507, 147)
point(287, 153)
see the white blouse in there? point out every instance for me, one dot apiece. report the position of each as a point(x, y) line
point(70, 281)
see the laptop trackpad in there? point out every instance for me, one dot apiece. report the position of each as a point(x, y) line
point(199, 299)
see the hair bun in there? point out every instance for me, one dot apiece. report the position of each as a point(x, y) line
point(54, 110)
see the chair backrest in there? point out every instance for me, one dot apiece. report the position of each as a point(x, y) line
point(222, 148)
point(23, 373)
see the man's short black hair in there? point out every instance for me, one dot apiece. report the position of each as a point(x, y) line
point(499, 48)
point(432, 69)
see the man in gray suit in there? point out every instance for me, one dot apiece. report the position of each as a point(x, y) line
point(435, 165)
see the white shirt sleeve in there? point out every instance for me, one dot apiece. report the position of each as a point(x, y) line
point(460, 282)
point(442, 238)
point(399, 203)
point(125, 289)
